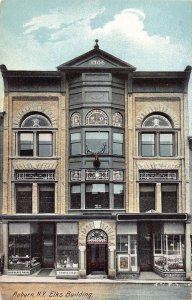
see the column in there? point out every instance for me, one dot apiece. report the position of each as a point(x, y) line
point(188, 250)
point(111, 262)
point(82, 268)
point(34, 198)
point(5, 246)
point(158, 204)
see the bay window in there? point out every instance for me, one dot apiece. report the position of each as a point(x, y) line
point(117, 143)
point(118, 194)
point(97, 195)
point(76, 196)
point(75, 143)
point(96, 142)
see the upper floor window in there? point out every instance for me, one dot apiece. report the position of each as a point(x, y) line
point(97, 142)
point(35, 141)
point(157, 137)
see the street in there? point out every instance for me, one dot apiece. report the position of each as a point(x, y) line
point(96, 291)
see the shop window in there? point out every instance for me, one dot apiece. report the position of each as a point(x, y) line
point(23, 198)
point(117, 143)
point(156, 142)
point(75, 143)
point(46, 198)
point(146, 197)
point(36, 142)
point(118, 194)
point(96, 142)
point(169, 252)
point(97, 196)
point(67, 251)
point(22, 258)
point(76, 196)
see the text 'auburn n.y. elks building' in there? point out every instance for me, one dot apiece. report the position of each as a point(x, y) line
point(95, 170)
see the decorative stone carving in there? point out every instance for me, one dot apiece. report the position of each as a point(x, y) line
point(34, 108)
point(36, 121)
point(75, 120)
point(97, 175)
point(34, 165)
point(107, 227)
point(35, 175)
point(117, 119)
point(156, 121)
point(157, 108)
point(160, 176)
point(96, 117)
point(158, 165)
point(118, 175)
point(75, 175)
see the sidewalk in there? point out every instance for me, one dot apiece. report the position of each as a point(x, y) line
point(145, 278)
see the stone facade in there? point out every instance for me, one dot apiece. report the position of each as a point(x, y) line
point(113, 150)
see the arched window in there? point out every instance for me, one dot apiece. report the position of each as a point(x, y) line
point(35, 137)
point(157, 137)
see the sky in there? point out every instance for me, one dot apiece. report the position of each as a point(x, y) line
point(152, 35)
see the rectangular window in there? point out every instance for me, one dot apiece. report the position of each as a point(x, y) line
point(173, 244)
point(169, 198)
point(97, 196)
point(118, 143)
point(67, 251)
point(44, 144)
point(26, 144)
point(146, 197)
point(147, 144)
point(76, 196)
point(46, 198)
point(118, 193)
point(75, 143)
point(166, 144)
point(23, 198)
point(97, 142)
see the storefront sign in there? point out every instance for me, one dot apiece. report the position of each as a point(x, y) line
point(64, 273)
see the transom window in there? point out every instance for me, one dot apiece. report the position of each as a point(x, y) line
point(156, 138)
point(35, 141)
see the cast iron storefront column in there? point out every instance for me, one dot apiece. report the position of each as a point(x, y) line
point(112, 271)
point(188, 250)
point(82, 269)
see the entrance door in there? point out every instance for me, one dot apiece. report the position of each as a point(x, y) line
point(97, 258)
point(48, 245)
point(145, 246)
point(97, 252)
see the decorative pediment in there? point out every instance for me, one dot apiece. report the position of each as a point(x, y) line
point(96, 58)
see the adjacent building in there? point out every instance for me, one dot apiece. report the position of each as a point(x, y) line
point(94, 170)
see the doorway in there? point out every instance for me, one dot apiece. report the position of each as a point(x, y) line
point(97, 252)
point(48, 245)
point(145, 246)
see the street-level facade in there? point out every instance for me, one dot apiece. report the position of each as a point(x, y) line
point(94, 170)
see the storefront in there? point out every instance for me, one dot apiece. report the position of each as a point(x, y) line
point(155, 244)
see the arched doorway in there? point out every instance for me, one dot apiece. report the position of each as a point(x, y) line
point(97, 252)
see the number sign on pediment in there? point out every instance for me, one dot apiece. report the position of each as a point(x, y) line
point(96, 117)
point(96, 62)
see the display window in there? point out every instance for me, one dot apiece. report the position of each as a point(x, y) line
point(23, 255)
point(169, 252)
point(67, 251)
